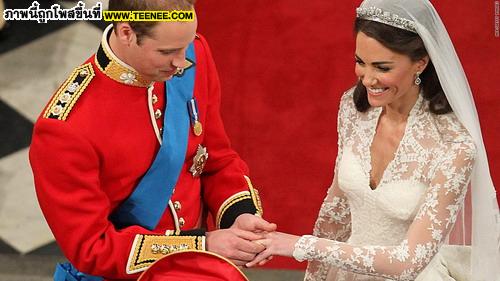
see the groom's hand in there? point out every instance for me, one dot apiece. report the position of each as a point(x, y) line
point(253, 223)
point(249, 222)
point(234, 244)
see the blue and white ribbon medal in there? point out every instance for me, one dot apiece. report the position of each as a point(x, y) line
point(195, 119)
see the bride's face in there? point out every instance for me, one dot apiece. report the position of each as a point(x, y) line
point(388, 76)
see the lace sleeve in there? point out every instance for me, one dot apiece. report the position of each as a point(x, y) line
point(443, 200)
point(334, 223)
point(334, 218)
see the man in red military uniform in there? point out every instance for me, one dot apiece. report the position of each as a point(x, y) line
point(130, 154)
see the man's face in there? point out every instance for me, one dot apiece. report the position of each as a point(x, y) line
point(159, 55)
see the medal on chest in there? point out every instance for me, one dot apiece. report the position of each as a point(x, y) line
point(195, 117)
point(199, 161)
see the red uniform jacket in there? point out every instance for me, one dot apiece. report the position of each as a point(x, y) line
point(94, 142)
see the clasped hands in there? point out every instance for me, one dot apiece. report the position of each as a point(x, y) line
point(250, 241)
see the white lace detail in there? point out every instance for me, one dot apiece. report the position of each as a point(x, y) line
point(395, 230)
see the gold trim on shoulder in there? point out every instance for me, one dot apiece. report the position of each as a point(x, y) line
point(65, 98)
point(146, 249)
point(240, 196)
point(255, 197)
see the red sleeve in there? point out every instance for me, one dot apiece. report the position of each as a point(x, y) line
point(66, 172)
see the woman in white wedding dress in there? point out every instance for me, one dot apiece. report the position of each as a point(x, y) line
point(409, 143)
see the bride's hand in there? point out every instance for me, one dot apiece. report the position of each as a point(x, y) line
point(276, 243)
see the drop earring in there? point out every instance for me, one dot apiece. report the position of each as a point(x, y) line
point(418, 81)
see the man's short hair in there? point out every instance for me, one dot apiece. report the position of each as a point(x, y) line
point(144, 28)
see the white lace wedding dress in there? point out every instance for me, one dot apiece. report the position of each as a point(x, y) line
point(396, 230)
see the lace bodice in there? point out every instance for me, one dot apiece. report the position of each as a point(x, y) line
point(396, 229)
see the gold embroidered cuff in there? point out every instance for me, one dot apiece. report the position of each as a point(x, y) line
point(240, 203)
point(146, 249)
point(238, 197)
point(255, 197)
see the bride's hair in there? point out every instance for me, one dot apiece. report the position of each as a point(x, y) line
point(406, 43)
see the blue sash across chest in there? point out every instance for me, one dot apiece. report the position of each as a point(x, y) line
point(148, 202)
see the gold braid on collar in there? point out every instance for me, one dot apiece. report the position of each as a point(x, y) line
point(114, 68)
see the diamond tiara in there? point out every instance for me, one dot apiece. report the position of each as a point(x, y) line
point(379, 15)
